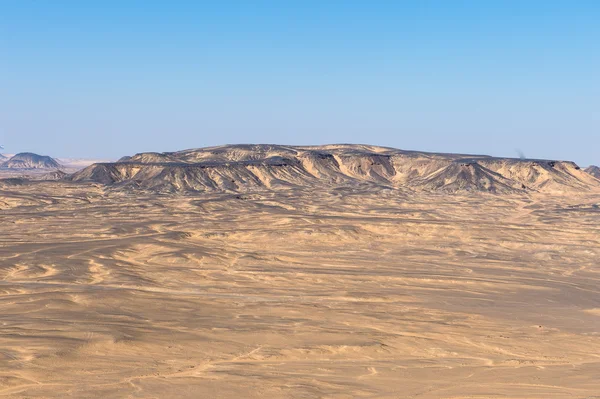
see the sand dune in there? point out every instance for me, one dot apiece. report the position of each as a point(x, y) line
point(326, 274)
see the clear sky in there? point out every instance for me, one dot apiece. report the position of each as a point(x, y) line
point(105, 78)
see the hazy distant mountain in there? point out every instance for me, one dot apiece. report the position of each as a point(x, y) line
point(594, 171)
point(243, 168)
point(28, 160)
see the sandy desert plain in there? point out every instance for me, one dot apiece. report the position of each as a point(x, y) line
point(302, 272)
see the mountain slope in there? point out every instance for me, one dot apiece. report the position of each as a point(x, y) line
point(239, 168)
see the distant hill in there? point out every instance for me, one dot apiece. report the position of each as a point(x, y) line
point(594, 171)
point(244, 168)
point(53, 175)
point(28, 160)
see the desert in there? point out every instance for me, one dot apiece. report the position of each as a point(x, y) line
point(272, 271)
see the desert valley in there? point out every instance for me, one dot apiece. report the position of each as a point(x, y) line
point(264, 271)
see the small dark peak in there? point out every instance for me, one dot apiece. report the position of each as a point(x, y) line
point(577, 167)
point(593, 171)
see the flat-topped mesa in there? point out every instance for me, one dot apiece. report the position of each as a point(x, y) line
point(239, 168)
point(28, 160)
point(594, 171)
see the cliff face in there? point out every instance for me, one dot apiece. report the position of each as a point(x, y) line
point(27, 160)
point(239, 168)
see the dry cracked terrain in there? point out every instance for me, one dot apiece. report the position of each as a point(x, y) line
point(298, 293)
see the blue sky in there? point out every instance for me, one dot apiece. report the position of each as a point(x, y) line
point(110, 78)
